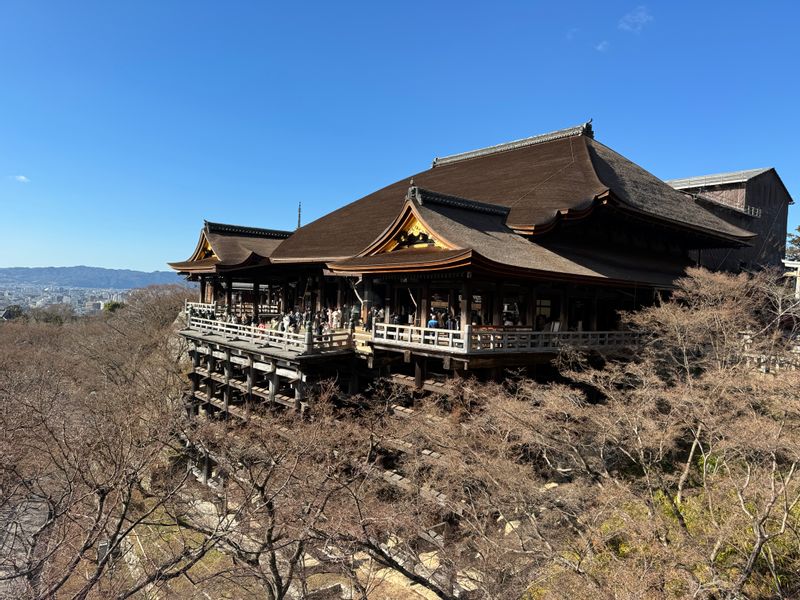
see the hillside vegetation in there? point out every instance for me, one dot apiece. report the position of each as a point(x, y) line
point(672, 474)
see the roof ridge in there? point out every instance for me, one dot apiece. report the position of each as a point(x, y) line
point(425, 196)
point(582, 129)
point(245, 230)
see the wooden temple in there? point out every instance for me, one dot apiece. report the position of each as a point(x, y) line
point(490, 259)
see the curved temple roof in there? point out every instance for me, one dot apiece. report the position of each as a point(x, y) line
point(227, 247)
point(475, 235)
point(539, 180)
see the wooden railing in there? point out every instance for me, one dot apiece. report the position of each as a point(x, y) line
point(285, 340)
point(495, 339)
point(419, 337)
point(201, 306)
point(243, 309)
point(476, 340)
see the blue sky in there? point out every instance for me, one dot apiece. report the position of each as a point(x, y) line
point(124, 124)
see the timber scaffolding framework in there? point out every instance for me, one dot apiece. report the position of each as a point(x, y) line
point(281, 366)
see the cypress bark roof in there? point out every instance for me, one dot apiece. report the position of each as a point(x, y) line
point(537, 179)
point(224, 247)
point(476, 236)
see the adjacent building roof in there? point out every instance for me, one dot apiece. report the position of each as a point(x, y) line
point(224, 247)
point(716, 179)
point(540, 180)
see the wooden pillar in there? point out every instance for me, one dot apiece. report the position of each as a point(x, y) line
point(210, 383)
point(339, 292)
point(366, 306)
point(227, 390)
point(450, 302)
point(497, 305)
point(273, 384)
point(202, 288)
point(206, 469)
point(530, 309)
point(283, 297)
point(466, 304)
point(251, 376)
point(256, 299)
point(593, 316)
point(424, 304)
point(320, 293)
point(387, 303)
point(564, 310)
point(352, 387)
point(228, 294)
point(419, 372)
point(299, 393)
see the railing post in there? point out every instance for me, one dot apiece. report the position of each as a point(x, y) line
point(467, 338)
point(309, 337)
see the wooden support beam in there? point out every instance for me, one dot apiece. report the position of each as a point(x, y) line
point(251, 375)
point(497, 305)
point(319, 293)
point(564, 310)
point(366, 305)
point(256, 299)
point(424, 304)
point(466, 303)
point(387, 303)
point(206, 469)
point(530, 308)
point(299, 394)
point(226, 393)
point(228, 294)
point(419, 372)
point(273, 386)
point(210, 383)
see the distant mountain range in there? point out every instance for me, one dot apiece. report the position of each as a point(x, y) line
point(86, 277)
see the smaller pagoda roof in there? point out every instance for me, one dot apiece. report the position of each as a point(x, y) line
point(225, 247)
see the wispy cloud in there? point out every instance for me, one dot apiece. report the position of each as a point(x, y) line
point(20, 178)
point(602, 46)
point(571, 33)
point(635, 20)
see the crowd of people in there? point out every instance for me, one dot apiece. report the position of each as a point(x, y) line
point(349, 317)
point(293, 321)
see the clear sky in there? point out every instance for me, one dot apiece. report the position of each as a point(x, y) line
point(124, 124)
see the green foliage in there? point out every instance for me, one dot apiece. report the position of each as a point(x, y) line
point(54, 314)
point(13, 312)
point(793, 245)
point(113, 306)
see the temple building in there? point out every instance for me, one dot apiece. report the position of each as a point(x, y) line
point(490, 259)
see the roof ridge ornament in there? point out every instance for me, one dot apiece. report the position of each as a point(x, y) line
point(211, 227)
point(578, 130)
point(422, 197)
